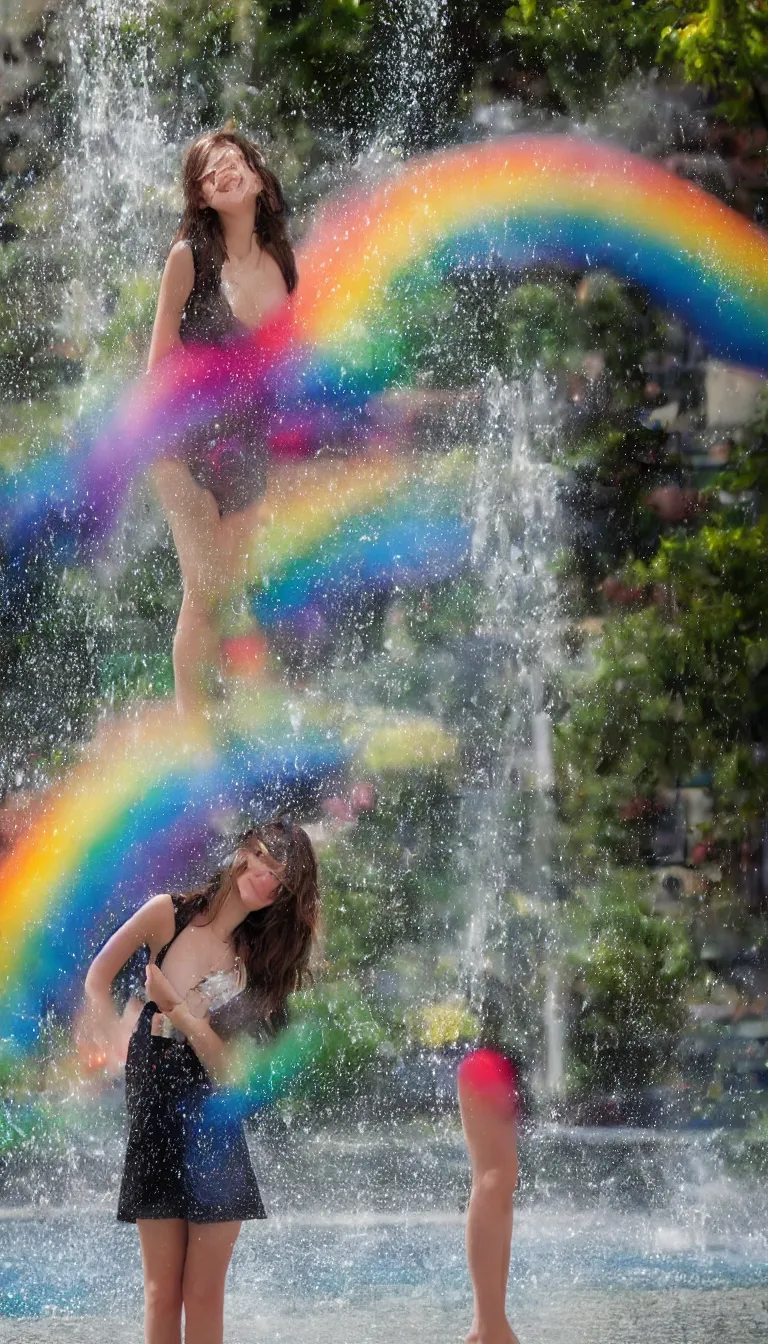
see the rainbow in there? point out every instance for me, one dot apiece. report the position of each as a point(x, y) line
point(521, 202)
point(133, 814)
point(330, 536)
point(310, 377)
point(144, 798)
point(141, 810)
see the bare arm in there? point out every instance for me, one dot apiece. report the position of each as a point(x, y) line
point(175, 288)
point(151, 926)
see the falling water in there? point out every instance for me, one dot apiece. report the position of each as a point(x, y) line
point(119, 165)
point(509, 811)
point(413, 73)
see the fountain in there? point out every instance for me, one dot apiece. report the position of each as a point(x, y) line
point(509, 813)
point(119, 165)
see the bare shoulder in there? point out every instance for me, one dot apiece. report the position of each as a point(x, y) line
point(179, 273)
point(180, 261)
point(157, 920)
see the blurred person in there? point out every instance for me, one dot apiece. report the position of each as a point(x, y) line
point(223, 960)
point(488, 1099)
point(231, 265)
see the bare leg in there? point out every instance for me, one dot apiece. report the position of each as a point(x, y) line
point(491, 1140)
point(163, 1251)
point(196, 652)
point(209, 1252)
point(197, 532)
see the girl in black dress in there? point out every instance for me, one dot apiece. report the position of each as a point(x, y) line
point(230, 267)
point(223, 960)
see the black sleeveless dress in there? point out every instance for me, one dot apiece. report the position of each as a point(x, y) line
point(233, 466)
point(181, 1160)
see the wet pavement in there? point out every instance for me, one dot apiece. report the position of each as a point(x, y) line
point(618, 1238)
point(731, 1316)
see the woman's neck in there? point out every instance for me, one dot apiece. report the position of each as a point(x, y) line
point(229, 916)
point(239, 234)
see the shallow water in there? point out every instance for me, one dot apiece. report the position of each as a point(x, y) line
point(367, 1228)
point(65, 1262)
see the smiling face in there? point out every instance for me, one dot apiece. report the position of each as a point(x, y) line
point(257, 881)
point(227, 182)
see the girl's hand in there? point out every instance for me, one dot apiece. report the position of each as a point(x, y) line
point(101, 1039)
point(160, 990)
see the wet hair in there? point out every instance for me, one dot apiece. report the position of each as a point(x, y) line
point(201, 226)
point(274, 943)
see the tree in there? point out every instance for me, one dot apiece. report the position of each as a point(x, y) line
point(630, 976)
point(587, 47)
point(679, 685)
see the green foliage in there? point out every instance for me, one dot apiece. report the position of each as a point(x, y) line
point(443, 334)
point(124, 342)
point(191, 43)
point(549, 325)
point(444, 612)
point(724, 48)
point(537, 319)
point(618, 321)
point(385, 883)
point(350, 1037)
point(587, 47)
point(30, 363)
point(610, 469)
point(630, 976)
point(678, 687)
point(314, 62)
point(338, 66)
point(48, 671)
point(450, 333)
point(135, 676)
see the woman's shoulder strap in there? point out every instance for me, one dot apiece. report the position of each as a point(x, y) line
point(183, 911)
point(180, 918)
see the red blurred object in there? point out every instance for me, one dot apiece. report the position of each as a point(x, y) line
point(701, 852)
point(673, 503)
point(362, 797)
point(491, 1078)
point(245, 655)
point(338, 808)
point(615, 590)
point(637, 808)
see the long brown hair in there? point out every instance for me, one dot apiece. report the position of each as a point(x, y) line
point(274, 943)
point(201, 226)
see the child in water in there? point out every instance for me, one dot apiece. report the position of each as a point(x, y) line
point(223, 960)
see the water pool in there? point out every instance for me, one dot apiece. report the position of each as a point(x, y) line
point(367, 1232)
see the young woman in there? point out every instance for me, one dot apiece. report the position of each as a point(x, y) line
point(230, 266)
point(223, 960)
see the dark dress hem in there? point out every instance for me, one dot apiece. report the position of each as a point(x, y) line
point(152, 1214)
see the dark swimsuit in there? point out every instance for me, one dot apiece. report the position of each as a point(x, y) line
point(183, 1159)
point(232, 466)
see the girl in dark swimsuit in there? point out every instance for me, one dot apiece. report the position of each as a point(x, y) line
point(230, 266)
point(223, 960)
